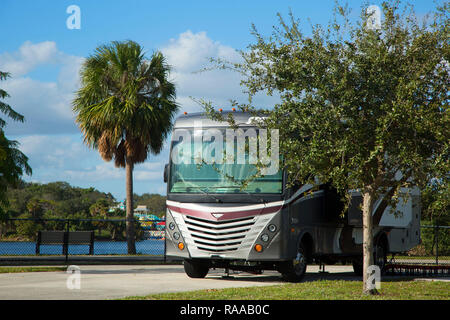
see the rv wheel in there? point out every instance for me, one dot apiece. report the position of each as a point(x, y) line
point(293, 271)
point(358, 267)
point(195, 269)
point(380, 257)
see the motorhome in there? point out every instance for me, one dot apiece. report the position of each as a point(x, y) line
point(215, 220)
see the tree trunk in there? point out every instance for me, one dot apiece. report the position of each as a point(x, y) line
point(368, 258)
point(130, 212)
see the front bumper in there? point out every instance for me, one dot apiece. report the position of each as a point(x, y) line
point(232, 239)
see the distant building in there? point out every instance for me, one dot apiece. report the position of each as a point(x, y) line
point(141, 212)
point(152, 225)
point(118, 206)
point(141, 209)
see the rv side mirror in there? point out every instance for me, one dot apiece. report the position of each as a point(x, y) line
point(166, 173)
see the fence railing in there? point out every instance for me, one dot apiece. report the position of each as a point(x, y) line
point(18, 237)
point(433, 250)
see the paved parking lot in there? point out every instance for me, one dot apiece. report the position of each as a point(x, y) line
point(111, 282)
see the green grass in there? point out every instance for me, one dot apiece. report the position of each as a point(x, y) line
point(30, 269)
point(433, 258)
point(317, 290)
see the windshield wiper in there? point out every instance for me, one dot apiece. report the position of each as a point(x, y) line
point(250, 194)
point(200, 188)
point(207, 193)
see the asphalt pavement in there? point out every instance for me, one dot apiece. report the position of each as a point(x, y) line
point(102, 282)
point(91, 282)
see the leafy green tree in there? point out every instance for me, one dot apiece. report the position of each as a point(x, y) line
point(27, 228)
point(37, 207)
point(362, 108)
point(59, 199)
point(436, 202)
point(116, 229)
point(100, 208)
point(436, 211)
point(125, 108)
point(118, 213)
point(155, 203)
point(4, 217)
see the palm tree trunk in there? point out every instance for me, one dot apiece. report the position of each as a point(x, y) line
point(130, 212)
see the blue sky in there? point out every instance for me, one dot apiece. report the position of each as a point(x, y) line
point(44, 58)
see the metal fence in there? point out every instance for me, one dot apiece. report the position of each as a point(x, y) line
point(433, 250)
point(19, 237)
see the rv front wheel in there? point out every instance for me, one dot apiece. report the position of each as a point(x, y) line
point(293, 271)
point(195, 269)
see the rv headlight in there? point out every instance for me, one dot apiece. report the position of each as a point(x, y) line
point(265, 237)
point(171, 226)
point(176, 235)
point(272, 228)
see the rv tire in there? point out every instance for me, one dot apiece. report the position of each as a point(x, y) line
point(379, 258)
point(294, 270)
point(358, 267)
point(195, 269)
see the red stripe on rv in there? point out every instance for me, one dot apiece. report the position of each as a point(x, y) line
point(226, 215)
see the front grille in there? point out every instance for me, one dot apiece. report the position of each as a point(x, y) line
point(218, 236)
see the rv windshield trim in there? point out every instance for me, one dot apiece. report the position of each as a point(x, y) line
point(187, 175)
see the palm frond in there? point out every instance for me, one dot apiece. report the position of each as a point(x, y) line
point(5, 108)
point(125, 106)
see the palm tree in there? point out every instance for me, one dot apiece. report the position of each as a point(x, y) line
point(5, 108)
point(125, 108)
point(13, 163)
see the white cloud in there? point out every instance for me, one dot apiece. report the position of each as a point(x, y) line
point(150, 166)
point(148, 175)
point(29, 56)
point(107, 170)
point(56, 153)
point(46, 105)
point(50, 138)
point(62, 157)
point(100, 172)
point(190, 53)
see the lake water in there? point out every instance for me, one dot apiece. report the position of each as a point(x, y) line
point(151, 246)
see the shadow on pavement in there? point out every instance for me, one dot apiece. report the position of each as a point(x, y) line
point(275, 277)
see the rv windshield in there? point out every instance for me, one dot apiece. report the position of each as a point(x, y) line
point(189, 176)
